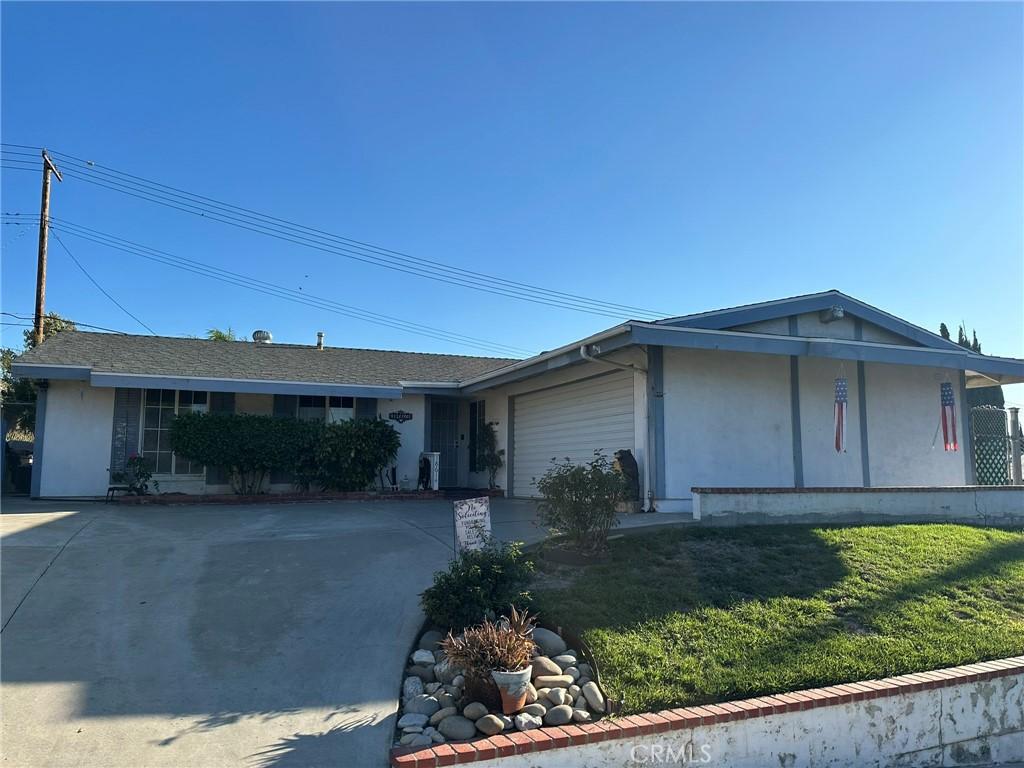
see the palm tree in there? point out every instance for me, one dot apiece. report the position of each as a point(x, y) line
point(216, 334)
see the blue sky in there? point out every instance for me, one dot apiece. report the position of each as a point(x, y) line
point(678, 157)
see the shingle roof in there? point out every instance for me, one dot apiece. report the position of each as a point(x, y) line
point(246, 360)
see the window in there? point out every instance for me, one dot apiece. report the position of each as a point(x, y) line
point(477, 419)
point(312, 407)
point(341, 409)
point(159, 409)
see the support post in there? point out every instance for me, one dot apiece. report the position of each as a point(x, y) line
point(44, 229)
point(1015, 472)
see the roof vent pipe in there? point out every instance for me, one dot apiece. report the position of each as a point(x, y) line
point(319, 339)
point(262, 337)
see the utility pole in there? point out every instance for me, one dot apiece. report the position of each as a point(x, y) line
point(44, 228)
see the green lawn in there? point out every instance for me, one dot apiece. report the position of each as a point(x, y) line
point(697, 615)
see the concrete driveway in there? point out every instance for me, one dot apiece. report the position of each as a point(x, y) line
point(269, 635)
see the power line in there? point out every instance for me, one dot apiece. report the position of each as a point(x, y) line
point(244, 218)
point(267, 288)
point(102, 290)
point(75, 322)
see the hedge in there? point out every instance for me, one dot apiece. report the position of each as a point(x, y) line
point(347, 456)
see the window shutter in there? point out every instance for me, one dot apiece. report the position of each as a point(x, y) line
point(286, 406)
point(474, 463)
point(222, 402)
point(366, 407)
point(124, 437)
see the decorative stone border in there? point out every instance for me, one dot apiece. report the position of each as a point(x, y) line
point(541, 739)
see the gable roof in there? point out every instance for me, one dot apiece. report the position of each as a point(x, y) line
point(722, 319)
point(112, 358)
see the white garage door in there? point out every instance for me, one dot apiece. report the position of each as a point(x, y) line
point(571, 420)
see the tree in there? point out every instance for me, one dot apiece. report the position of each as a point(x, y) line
point(216, 334)
point(19, 395)
point(52, 325)
point(978, 395)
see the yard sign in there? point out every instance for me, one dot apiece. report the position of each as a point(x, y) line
point(472, 523)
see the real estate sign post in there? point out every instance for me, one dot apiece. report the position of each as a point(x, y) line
point(472, 523)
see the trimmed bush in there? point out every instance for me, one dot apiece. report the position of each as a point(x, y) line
point(479, 584)
point(346, 456)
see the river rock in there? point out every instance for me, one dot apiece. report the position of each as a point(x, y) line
point(411, 686)
point(563, 661)
point(542, 665)
point(553, 681)
point(421, 740)
point(422, 705)
point(441, 714)
point(423, 672)
point(446, 672)
point(572, 672)
point(559, 715)
point(430, 639)
point(474, 710)
point(549, 643)
point(412, 720)
point(526, 722)
point(459, 681)
point(444, 699)
point(581, 716)
point(538, 710)
point(490, 725)
point(423, 657)
point(557, 696)
point(585, 670)
point(432, 688)
point(413, 729)
point(594, 696)
point(574, 691)
point(457, 727)
point(436, 736)
point(531, 693)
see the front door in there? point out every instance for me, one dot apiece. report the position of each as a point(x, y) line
point(444, 439)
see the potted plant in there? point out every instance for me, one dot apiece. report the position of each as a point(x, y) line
point(496, 659)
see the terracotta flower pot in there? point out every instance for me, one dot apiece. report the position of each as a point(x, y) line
point(512, 686)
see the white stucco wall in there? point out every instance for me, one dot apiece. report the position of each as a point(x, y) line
point(809, 324)
point(411, 433)
point(822, 465)
point(903, 416)
point(727, 422)
point(76, 440)
point(999, 505)
point(977, 723)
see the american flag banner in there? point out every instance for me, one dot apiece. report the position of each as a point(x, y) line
point(842, 398)
point(948, 416)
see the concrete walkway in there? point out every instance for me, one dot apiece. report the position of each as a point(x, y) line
point(265, 635)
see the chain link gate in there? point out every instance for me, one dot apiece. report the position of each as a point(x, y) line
point(991, 445)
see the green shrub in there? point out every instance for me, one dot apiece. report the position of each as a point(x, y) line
point(491, 456)
point(478, 584)
point(350, 455)
point(578, 500)
point(346, 456)
point(136, 475)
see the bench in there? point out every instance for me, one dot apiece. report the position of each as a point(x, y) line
point(116, 488)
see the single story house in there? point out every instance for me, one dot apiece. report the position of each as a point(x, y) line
point(737, 397)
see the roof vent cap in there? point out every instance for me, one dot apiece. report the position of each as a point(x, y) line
point(262, 337)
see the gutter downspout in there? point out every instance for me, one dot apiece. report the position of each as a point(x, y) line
point(648, 448)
